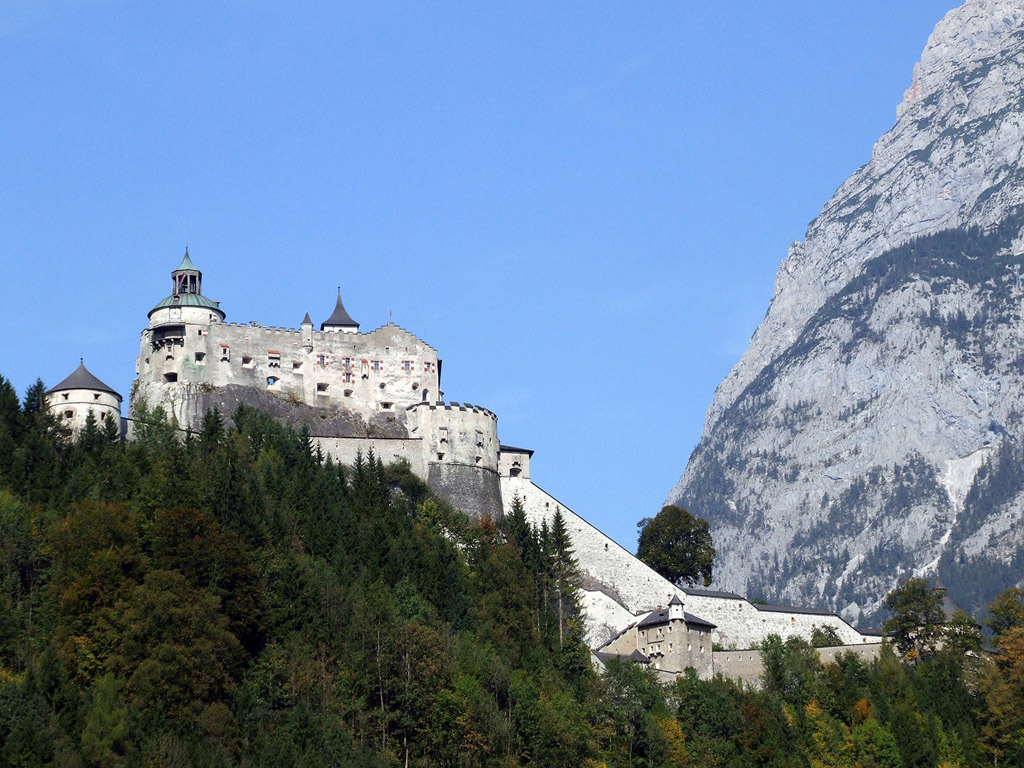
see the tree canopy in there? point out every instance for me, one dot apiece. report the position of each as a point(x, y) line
point(915, 625)
point(677, 545)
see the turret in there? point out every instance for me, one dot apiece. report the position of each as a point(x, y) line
point(307, 333)
point(75, 397)
point(340, 320)
point(186, 304)
point(675, 608)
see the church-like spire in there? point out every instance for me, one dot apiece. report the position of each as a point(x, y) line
point(340, 320)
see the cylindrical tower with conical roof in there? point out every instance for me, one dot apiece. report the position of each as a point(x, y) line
point(75, 397)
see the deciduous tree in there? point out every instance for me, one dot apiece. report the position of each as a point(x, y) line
point(917, 619)
point(677, 545)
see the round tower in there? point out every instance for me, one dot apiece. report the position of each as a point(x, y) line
point(186, 304)
point(73, 399)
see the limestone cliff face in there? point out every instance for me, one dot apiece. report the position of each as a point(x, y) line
point(872, 428)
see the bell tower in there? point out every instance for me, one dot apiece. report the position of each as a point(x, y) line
point(186, 278)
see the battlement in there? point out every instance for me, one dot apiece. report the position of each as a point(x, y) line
point(454, 406)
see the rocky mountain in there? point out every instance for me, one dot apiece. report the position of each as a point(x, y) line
point(872, 430)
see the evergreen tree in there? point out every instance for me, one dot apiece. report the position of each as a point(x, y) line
point(565, 572)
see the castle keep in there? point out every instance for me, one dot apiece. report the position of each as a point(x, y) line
point(381, 391)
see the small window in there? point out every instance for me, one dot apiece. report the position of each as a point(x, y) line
point(443, 432)
point(321, 388)
point(479, 459)
point(96, 396)
point(246, 361)
point(225, 353)
point(272, 380)
point(65, 395)
point(68, 414)
point(273, 359)
point(348, 393)
point(296, 365)
point(200, 357)
point(386, 406)
point(415, 386)
point(440, 457)
point(170, 377)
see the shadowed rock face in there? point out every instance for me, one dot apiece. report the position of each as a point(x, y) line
point(333, 422)
point(871, 429)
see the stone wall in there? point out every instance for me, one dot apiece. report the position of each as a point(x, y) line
point(72, 408)
point(746, 665)
point(383, 371)
point(344, 450)
point(618, 587)
point(608, 568)
point(742, 624)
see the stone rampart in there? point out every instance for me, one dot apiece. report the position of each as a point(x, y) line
point(376, 373)
point(344, 450)
point(457, 434)
point(633, 585)
point(746, 666)
point(742, 624)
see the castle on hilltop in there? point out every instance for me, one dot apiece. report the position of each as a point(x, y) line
point(355, 391)
point(381, 391)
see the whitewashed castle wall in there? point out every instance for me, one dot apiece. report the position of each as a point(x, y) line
point(377, 372)
point(607, 566)
point(629, 587)
point(72, 408)
point(742, 625)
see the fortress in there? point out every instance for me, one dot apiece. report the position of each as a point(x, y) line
point(381, 391)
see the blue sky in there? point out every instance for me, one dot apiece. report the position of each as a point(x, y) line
point(580, 205)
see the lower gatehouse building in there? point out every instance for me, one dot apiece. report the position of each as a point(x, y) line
point(381, 390)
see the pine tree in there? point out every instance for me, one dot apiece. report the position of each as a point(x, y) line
point(565, 572)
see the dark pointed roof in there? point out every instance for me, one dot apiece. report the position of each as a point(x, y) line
point(339, 317)
point(661, 617)
point(82, 379)
point(306, 319)
point(186, 264)
point(675, 600)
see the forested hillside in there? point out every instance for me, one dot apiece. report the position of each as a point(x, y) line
point(235, 599)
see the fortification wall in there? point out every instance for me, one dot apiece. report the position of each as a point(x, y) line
point(474, 490)
point(746, 665)
point(629, 584)
point(344, 450)
point(803, 624)
point(456, 434)
point(607, 566)
point(742, 624)
point(380, 372)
